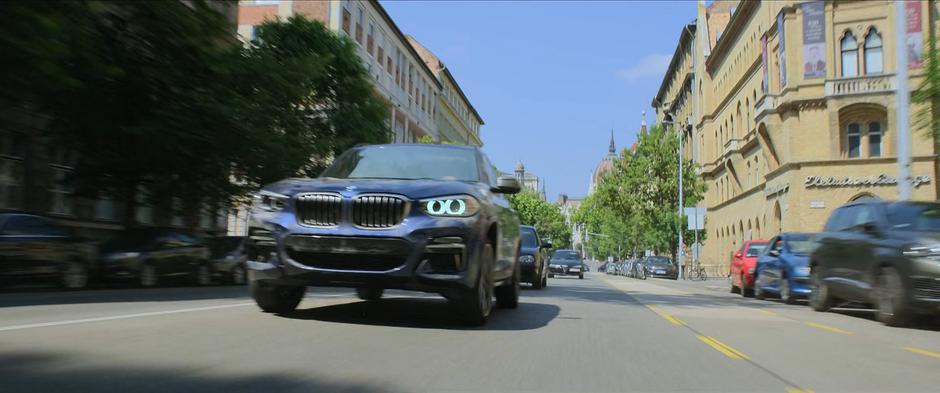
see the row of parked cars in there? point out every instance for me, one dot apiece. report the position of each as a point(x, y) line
point(884, 255)
point(643, 267)
point(34, 248)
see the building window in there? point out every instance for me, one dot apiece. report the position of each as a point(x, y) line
point(359, 27)
point(176, 205)
point(144, 212)
point(347, 19)
point(380, 54)
point(104, 209)
point(12, 148)
point(61, 190)
point(849, 55)
point(874, 139)
point(388, 63)
point(854, 140)
point(370, 39)
point(874, 60)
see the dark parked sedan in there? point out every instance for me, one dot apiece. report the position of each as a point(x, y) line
point(430, 218)
point(150, 255)
point(881, 253)
point(567, 263)
point(658, 266)
point(227, 258)
point(33, 247)
point(533, 257)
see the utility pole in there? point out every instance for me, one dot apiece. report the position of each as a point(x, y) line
point(679, 257)
point(903, 97)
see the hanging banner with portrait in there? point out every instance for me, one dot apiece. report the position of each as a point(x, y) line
point(814, 40)
point(765, 74)
point(914, 41)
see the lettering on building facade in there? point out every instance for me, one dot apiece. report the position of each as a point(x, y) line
point(863, 181)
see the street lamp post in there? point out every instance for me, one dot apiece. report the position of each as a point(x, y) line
point(667, 121)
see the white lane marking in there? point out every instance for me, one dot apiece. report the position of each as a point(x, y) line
point(114, 317)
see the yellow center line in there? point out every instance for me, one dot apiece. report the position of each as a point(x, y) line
point(923, 352)
point(673, 320)
point(798, 390)
point(722, 347)
point(767, 312)
point(827, 327)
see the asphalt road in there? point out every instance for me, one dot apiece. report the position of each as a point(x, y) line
point(600, 334)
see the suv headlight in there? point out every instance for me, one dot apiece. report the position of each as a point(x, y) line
point(450, 206)
point(269, 201)
point(526, 259)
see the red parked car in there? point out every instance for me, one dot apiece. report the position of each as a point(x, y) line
point(742, 267)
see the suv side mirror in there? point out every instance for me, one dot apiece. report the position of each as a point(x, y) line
point(870, 228)
point(547, 244)
point(506, 185)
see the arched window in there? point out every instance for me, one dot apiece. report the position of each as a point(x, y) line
point(874, 60)
point(747, 181)
point(853, 140)
point(874, 139)
point(849, 55)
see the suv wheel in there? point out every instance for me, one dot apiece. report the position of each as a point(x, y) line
point(819, 298)
point(239, 275)
point(477, 302)
point(369, 293)
point(507, 296)
point(148, 276)
point(759, 293)
point(276, 298)
point(74, 276)
point(539, 282)
point(785, 293)
point(203, 275)
point(891, 298)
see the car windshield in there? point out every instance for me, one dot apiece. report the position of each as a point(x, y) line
point(565, 254)
point(915, 217)
point(658, 261)
point(408, 162)
point(755, 248)
point(527, 238)
point(800, 244)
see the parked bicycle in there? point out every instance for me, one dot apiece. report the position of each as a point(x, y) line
point(698, 273)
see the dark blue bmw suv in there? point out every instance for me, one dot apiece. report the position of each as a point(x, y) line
point(428, 218)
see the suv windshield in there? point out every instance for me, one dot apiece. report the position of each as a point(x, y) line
point(565, 254)
point(408, 162)
point(916, 217)
point(528, 238)
point(800, 244)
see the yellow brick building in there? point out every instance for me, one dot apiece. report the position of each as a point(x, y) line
point(789, 109)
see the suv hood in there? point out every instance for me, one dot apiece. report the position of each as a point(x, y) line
point(414, 189)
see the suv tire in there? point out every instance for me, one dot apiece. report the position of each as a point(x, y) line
point(891, 298)
point(819, 298)
point(273, 298)
point(477, 302)
point(539, 282)
point(370, 294)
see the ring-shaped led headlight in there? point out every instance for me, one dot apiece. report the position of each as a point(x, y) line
point(451, 206)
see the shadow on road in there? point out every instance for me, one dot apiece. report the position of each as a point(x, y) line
point(44, 372)
point(46, 297)
point(427, 313)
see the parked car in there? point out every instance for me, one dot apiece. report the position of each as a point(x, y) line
point(639, 268)
point(880, 253)
point(783, 267)
point(568, 263)
point(628, 268)
point(36, 248)
point(533, 257)
point(610, 268)
point(660, 266)
point(427, 218)
point(743, 266)
point(151, 255)
point(227, 259)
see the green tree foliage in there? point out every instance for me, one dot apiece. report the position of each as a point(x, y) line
point(547, 218)
point(160, 96)
point(928, 96)
point(637, 202)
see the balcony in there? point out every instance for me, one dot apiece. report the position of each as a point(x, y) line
point(731, 146)
point(867, 84)
point(766, 104)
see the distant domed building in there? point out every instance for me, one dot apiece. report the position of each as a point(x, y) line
point(607, 163)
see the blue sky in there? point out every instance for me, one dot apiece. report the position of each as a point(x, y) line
point(551, 78)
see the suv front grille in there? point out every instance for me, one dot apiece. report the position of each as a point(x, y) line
point(322, 210)
point(378, 211)
point(926, 288)
point(348, 253)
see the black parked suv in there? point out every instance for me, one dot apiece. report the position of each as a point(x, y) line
point(533, 257)
point(566, 263)
point(428, 218)
point(886, 254)
point(34, 247)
